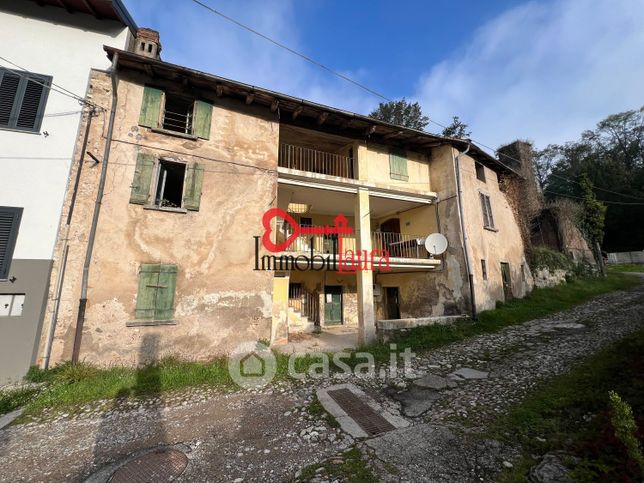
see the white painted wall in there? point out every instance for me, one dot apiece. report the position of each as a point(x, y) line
point(34, 168)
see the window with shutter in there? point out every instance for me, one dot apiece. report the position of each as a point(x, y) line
point(142, 178)
point(398, 165)
point(486, 209)
point(23, 97)
point(192, 189)
point(155, 297)
point(9, 225)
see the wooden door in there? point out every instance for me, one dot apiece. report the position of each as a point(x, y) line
point(332, 304)
point(393, 303)
point(507, 281)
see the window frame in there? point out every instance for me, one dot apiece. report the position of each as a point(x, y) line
point(5, 262)
point(25, 77)
point(155, 185)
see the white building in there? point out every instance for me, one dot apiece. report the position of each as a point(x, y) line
point(46, 51)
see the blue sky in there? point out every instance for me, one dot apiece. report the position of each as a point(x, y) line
point(538, 70)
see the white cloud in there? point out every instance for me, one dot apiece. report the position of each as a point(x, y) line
point(196, 38)
point(543, 71)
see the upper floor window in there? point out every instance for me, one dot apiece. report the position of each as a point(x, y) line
point(398, 165)
point(486, 208)
point(164, 183)
point(174, 112)
point(9, 225)
point(23, 96)
point(480, 171)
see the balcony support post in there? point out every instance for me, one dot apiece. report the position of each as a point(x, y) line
point(366, 309)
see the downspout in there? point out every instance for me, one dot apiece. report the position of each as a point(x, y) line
point(65, 250)
point(82, 304)
point(466, 249)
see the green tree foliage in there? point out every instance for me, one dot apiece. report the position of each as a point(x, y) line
point(457, 129)
point(402, 113)
point(592, 214)
point(612, 156)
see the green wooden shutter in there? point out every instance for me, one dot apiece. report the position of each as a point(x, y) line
point(146, 296)
point(155, 298)
point(142, 179)
point(203, 116)
point(398, 165)
point(151, 107)
point(164, 308)
point(192, 189)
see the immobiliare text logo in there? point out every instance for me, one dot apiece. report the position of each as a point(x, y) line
point(317, 248)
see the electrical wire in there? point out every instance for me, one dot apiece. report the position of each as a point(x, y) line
point(368, 89)
point(602, 201)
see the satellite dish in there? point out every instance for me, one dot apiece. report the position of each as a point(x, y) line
point(436, 244)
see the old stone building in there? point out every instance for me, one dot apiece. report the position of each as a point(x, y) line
point(188, 166)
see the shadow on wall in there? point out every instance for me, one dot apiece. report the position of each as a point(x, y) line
point(124, 431)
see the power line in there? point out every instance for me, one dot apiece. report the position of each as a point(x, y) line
point(53, 87)
point(368, 89)
point(292, 51)
point(597, 187)
point(602, 201)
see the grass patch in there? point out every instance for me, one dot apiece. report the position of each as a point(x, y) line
point(68, 385)
point(353, 468)
point(13, 399)
point(541, 302)
point(626, 268)
point(571, 413)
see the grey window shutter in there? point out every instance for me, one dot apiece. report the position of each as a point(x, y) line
point(142, 179)
point(192, 188)
point(486, 220)
point(151, 107)
point(23, 97)
point(489, 211)
point(9, 225)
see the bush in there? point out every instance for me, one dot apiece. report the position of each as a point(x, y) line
point(542, 257)
point(625, 428)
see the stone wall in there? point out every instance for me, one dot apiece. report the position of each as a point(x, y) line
point(545, 277)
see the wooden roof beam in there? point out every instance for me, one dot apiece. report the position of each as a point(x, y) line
point(322, 117)
point(219, 89)
point(91, 9)
point(298, 110)
point(370, 130)
point(274, 105)
point(250, 97)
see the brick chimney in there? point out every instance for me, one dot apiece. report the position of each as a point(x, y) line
point(147, 43)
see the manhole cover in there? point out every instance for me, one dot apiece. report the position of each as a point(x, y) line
point(363, 414)
point(159, 465)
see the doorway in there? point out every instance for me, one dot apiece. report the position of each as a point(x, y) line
point(332, 304)
point(507, 281)
point(393, 303)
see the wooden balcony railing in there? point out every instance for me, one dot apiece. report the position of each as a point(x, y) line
point(314, 161)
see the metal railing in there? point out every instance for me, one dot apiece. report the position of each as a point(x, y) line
point(397, 244)
point(305, 302)
point(314, 161)
point(176, 121)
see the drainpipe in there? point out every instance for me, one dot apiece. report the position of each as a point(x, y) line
point(65, 250)
point(466, 249)
point(82, 304)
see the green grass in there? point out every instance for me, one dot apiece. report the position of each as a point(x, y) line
point(571, 413)
point(70, 385)
point(353, 469)
point(541, 302)
point(626, 268)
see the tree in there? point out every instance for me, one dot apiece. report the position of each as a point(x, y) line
point(402, 113)
point(593, 214)
point(457, 129)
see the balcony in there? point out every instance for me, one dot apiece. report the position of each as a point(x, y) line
point(397, 244)
point(315, 161)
